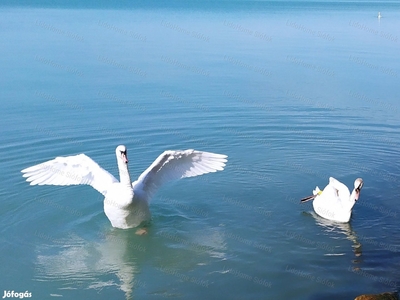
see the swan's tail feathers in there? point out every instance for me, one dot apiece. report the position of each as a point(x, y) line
point(317, 191)
point(308, 198)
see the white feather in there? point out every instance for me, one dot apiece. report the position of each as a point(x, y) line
point(70, 170)
point(173, 165)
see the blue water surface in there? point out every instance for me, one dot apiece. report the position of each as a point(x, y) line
point(292, 91)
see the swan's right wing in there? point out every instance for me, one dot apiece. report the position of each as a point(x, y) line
point(70, 170)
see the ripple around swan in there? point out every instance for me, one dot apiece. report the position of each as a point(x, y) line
point(273, 88)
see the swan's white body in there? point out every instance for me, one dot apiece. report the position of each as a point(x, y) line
point(126, 204)
point(335, 202)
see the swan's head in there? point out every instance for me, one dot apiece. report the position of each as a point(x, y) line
point(121, 153)
point(358, 184)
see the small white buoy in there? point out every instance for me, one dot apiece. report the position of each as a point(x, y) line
point(379, 15)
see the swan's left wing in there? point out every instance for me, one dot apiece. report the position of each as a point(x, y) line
point(70, 170)
point(173, 165)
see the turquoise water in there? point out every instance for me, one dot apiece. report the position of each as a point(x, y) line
point(293, 92)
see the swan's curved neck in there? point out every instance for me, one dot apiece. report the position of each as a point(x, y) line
point(353, 198)
point(124, 176)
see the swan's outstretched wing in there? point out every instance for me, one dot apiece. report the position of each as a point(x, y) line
point(173, 165)
point(70, 170)
point(342, 191)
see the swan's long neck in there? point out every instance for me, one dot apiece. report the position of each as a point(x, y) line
point(124, 176)
point(353, 198)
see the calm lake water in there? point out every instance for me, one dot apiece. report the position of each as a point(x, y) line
point(292, 91)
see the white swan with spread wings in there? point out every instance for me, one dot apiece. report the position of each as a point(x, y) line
point(126, 203)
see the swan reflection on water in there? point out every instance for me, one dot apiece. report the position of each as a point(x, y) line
point(343, 228)
point(76, 264)
point(115, 258)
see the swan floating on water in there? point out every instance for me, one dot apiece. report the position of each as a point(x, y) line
point(335, 202)
point(126, 203)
